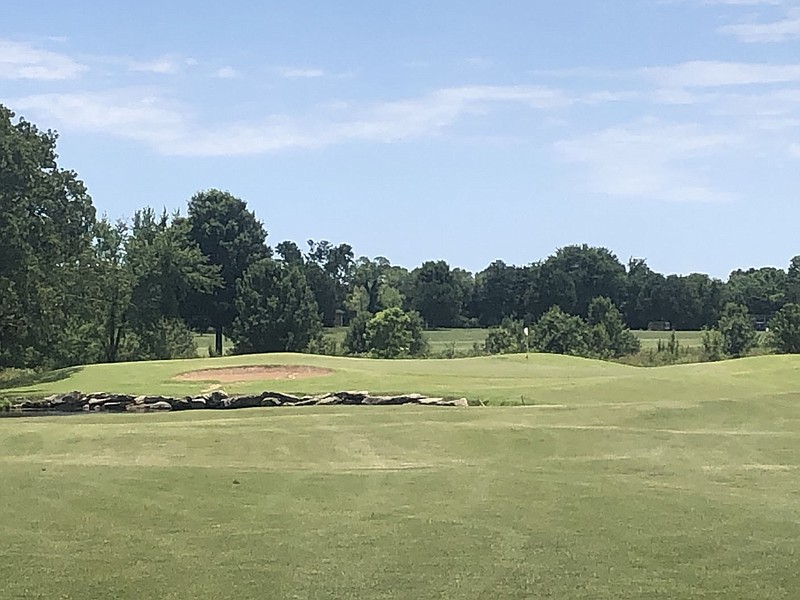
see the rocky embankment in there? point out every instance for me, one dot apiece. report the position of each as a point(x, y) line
point(106, 402)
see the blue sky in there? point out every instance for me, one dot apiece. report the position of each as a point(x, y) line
point(416, 130)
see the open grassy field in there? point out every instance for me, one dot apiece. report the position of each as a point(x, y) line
point(613, 482)
point(439, 340)
point(463, 340)
point(687, 339)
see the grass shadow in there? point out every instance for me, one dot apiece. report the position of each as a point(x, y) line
point(14, 378)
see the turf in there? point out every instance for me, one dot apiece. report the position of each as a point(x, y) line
point(686, 339)
point(676, 482)
point(463, 340)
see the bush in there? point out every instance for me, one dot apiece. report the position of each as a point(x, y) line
point(162, 340)
point(508, 338)
point(784, 330)
point(608, 336)
point(355, 341)
point(736, 328)
point(713, 344)
point(557, 332)
point(393, 333)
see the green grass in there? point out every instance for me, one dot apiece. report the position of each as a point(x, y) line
point(686, 339)
point(674, 482)
point(439, 340)
point(204, 341)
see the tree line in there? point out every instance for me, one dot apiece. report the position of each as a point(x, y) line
point(78, 288)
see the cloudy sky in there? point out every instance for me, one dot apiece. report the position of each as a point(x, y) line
point(468, 131)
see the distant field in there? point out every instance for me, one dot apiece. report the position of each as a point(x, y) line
point(205, 341)
point(687, 339)
point(613, 482)
point(462, 340)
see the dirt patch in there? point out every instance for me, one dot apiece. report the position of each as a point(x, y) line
point(254, 373)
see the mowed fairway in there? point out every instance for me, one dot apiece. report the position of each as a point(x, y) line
point(611, 482)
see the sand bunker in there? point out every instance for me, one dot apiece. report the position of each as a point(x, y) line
point(254, 373)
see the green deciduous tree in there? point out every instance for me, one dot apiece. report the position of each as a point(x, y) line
point(609, 337)
point(576, 274)
point(393, 333)
point(499, 293)
point(233, 239)
point(436, 293)
point(355, 340)
point(329, 270)
point(784, 330)
point(557, 332)
point(736, 327)
point(508, 338)
point(276, 310)
point(762, 291)
point(45, 234)
point(142, 275)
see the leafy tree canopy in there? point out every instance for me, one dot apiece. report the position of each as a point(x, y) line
point(276, 310)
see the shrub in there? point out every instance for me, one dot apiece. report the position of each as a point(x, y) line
point(736, 327)
point(712, 345)
point(393, 333)
point(784, 330)
point(508, 338)
point(557, 332)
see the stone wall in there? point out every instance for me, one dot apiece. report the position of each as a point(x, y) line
point(106, 402)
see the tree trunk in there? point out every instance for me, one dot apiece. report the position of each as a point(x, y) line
point(218, 340)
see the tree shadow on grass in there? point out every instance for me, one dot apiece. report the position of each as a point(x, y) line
point(14, 378)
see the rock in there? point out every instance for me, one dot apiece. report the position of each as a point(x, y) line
point(151, 399)
point(308, 402)
point(327, 400)
point(214, 399)
point(411, 398)
point(429, 401)
point(462, 402)
point(197, 403)
point(352, 397)
point(72, 402)
point(242, 402)
point(281, 397)
point(184, 403)
point(383, 400)
point(113, 407)
point(157, 406)
point(99, 401)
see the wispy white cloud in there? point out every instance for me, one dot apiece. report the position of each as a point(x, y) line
point(299, 72)
point(164, 65)
point(719, 73)
point(648, 160)
point(173, 129)
point(226, 73)
point(781, 30)
point(23, 61)
point(129, 113)
point(744, 2)
point(794, 150)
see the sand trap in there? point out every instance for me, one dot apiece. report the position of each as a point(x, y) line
point(254, 373)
